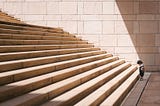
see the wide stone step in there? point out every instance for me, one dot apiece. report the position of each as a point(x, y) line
point(22, 48)
point(18, 64)
point(98, 96)
point(7, 18)
point(10, 31)
point(38, 42)
point(19, 27)
point(16, 75)
point(33, 54)
point(71, 97)
point(121, 92)
point(37, 37)
point(24, 86)
point(44, 94)
point(33, 27)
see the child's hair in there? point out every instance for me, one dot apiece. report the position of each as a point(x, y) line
point(139, 62)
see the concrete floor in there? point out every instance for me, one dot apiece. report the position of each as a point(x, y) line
point(151, 94)
point(146, 92)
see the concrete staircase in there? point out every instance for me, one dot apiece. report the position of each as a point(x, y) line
point(50, 67)
point(8, 18)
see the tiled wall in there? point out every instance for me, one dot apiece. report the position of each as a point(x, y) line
point(128, 28)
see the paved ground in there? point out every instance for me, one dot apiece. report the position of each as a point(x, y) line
point(151, 94)
point(146, 92)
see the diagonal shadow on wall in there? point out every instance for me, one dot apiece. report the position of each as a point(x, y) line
point(141, 19)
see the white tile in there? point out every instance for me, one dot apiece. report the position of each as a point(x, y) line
point(92, 8)
point(108, 8)
point(52, 7)
point(125, 50)
point(80, 8)
point(109, 17)
point(13, 7)
point(70, 17)
point(93, 27)
point(52, 23)
point(108, 41)
point(33, 17)
point(34, 8)
point(69, 26)
point(80, 27)
point(108, 27)
point(68, 8)
point(90, 17)
point(52, 17)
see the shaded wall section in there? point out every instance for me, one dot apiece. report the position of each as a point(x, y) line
point(127, 28)
point(145, 31)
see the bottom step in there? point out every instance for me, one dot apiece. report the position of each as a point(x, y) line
point(98, 96)
point(119, 94)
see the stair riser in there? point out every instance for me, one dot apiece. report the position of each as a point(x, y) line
point(35, 48)
point(29, 74)
point(6, 57)
point(19, 90)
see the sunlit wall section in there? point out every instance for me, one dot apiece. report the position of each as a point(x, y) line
point(127, 28)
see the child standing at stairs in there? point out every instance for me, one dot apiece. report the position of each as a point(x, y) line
point(141, 69)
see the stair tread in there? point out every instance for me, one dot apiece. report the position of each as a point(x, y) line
point(44, 51)
point(41, 40)
point(70, 95)
point(53, 77)
point(23, 82)
point(24, 24)
point(45, 57)
point(53, 88)
point(35, 37)
point(7, 26)
point(40, 45)
point(31, 32)
point(15, 48)
point(37, 42)
point(103, 91)
point(41, 53)
point(45, 66)
point(38, 35)
point(120, 90)
point(23, 63)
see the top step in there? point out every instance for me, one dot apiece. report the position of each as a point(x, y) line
point(5, 17)
point(15, 26)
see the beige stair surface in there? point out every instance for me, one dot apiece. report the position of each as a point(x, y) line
point(101, 93)
point(72, 96)
point(51, 77)
point(38, 42)
point(45, 66)
point(22, 48)
point(37, 37)
point(7, 18)
point(33, 54)
point(118, 95)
